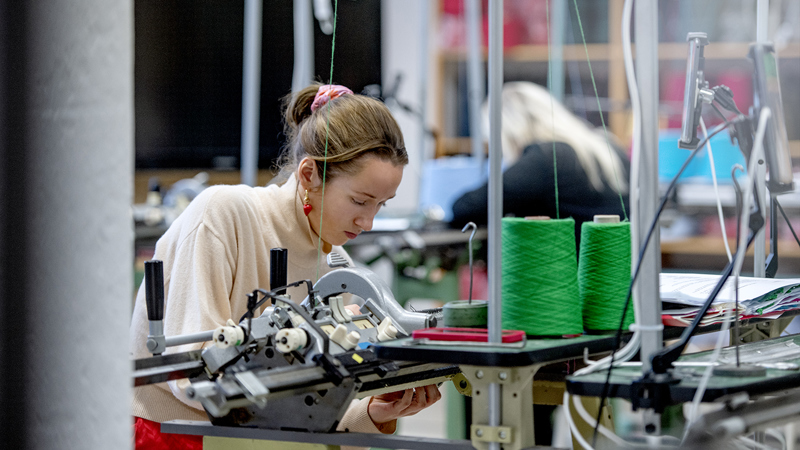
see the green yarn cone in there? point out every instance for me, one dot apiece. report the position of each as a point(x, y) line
point(604, 274)
point(539, 269)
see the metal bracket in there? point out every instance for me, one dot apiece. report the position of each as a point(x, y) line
point(516, 407)
point(253, 389)
point(485, 433)
point(761, 331)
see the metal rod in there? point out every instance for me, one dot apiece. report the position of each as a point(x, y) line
point(559, 14)
point(251, 90)
point(495, 200)
point(762, 20)
point(647, 288)
point(471, 271)
point(303, 71)
point(760, 245)
point(475, 79)
point(424, 58)
point(203, 336)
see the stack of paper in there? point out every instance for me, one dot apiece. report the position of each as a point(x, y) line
point(682, 295)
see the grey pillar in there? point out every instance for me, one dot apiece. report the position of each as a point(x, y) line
point(303, 69)
point(475, 79)
point(495, 202)
point(251, 90)
point(66, 294)
point(647, 286)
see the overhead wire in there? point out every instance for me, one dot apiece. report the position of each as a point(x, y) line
point(552, 107)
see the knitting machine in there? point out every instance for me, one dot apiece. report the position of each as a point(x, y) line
point(294, 367)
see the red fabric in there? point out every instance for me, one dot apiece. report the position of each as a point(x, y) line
point(148, 436)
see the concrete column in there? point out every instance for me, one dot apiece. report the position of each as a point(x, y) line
point(67, 191)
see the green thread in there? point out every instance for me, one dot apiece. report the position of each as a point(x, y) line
point(539, 270)
point(604, 274)
point(599, 109)
point(327, 130)
point(552, 113)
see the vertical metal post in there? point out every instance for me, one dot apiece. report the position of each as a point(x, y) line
point(424, 58)
point(759, 244)
point(251, 90)
point(647, 286)
point(495, 200)
point(303, 71)
point(475, 78)
point(65, 294)
point(559, 14)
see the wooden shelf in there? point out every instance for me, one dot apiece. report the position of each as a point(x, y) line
point(604, 52)
point(538, 53)
point(707, 253)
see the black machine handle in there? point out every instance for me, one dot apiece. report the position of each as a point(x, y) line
point(154, 289)
point(278, 269)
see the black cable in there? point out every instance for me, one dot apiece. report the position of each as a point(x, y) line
point(273, 294)
point(780, 208)
point(721, 114)
point(642, 250)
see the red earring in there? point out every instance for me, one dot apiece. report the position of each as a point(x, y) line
point(306, 205)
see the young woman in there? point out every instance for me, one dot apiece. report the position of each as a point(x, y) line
point(217, 251)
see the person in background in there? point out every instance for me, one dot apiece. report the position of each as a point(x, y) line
point(217, 251)
point(592, 172)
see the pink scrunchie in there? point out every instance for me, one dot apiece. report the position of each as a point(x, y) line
point(326, 93)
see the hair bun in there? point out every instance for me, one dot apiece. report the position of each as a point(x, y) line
point(298, 107)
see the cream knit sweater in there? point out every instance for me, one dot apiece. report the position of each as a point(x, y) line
point(214, 254)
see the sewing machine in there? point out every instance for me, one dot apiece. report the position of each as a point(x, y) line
point(294, 367)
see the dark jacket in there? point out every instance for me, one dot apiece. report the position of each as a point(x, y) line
point(529, 189)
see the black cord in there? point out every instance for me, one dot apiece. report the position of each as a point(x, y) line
point(780, 208)
point(273, 294)
point(642, 250)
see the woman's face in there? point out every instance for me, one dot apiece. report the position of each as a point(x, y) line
point(351, 201)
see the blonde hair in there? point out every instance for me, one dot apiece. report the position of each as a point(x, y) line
point(531, 115)
point(354, 125)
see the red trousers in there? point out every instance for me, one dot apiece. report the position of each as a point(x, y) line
point(148, 436)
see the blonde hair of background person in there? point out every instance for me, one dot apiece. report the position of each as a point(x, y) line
point(530, 114)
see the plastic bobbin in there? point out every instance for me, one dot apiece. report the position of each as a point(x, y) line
point(466, 314)
point(290, 339)
point(228, 336)
point(606, 218)
point(386, 331)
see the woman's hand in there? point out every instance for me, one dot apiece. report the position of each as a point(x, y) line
point(385, 409)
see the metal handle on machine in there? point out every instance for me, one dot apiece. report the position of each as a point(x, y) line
point(278, 269)
point(154, 300)
point(154, 289)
